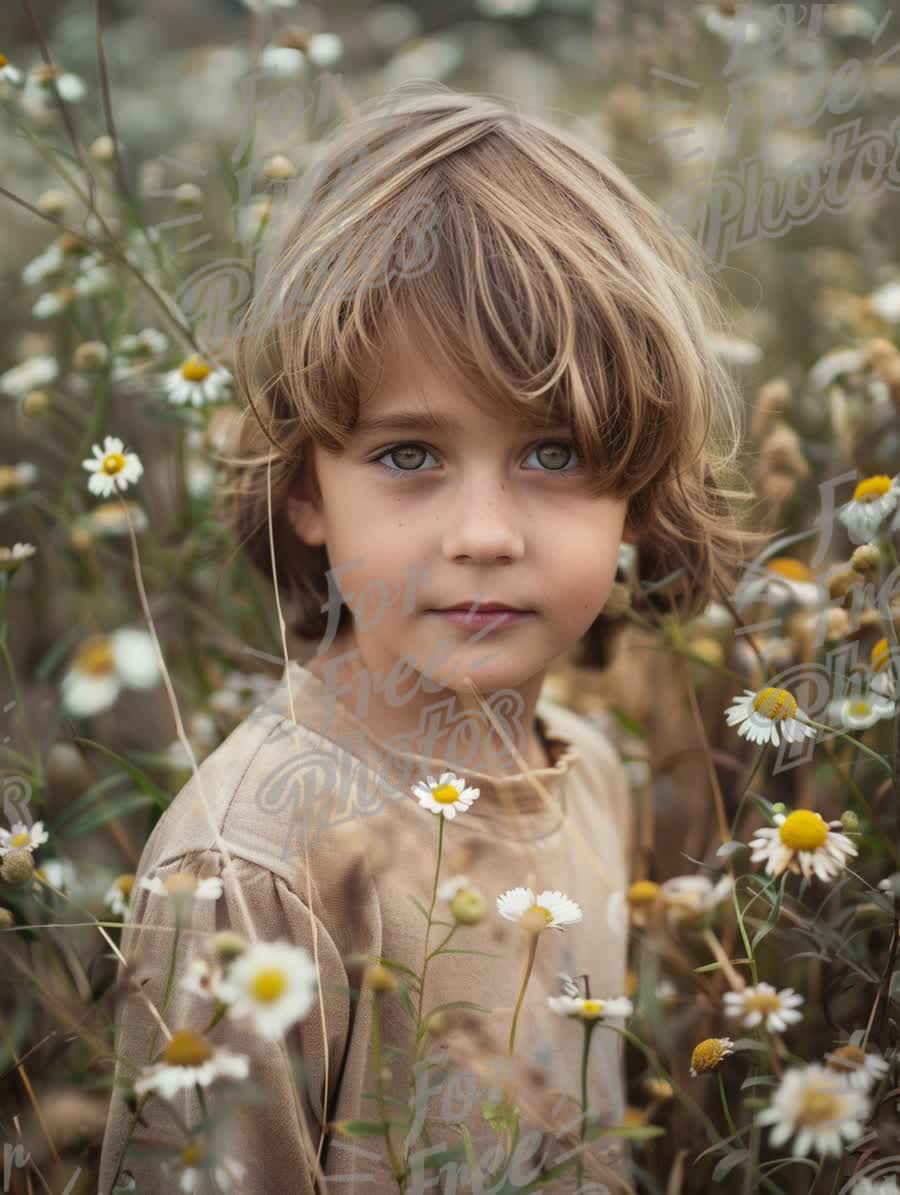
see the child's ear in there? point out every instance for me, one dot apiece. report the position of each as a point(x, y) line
point(304, 510)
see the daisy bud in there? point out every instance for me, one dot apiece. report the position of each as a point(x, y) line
point(35, 403)
point(841, 582)
point(228, 945)
point(837, 624)
point(102, 149)
point(379, 978)
point(436, 1023)
point(80, 539)
point(658, 1089)
point(618, 601)
point(7, 920)
point(708, 1055)
point(279, 168)
point(65, 768)
point(468, 906)
point(849, 821)
point(52, 202)
point(17, 868)
point(90, 356)
point(708, 649)
point(188, 195)
point(779, 807)
point(865, 559)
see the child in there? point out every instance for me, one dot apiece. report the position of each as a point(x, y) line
point(466, 296)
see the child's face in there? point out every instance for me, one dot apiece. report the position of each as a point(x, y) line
point(485, 510)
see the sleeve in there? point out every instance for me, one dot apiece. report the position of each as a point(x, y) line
point(267, 1136)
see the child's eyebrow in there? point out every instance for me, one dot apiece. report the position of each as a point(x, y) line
point(412, 421)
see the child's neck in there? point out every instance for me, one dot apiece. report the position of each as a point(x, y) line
point(433, 716)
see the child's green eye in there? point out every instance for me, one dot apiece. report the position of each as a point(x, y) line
point(557, 454)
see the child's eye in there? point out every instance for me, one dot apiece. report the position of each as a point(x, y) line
point(553, 451)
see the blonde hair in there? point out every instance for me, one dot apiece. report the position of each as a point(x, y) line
point(538, 274)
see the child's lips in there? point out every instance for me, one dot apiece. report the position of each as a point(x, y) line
point(483, 618)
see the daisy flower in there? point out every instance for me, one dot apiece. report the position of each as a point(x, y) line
point(12, 558)
point(859, 1069)
point(593, 1009)
point(103, 665)
point(8, 72)
point(448, 794)
point(692, 896)
point(860, 712)
point(108, 518)
point(873, 500)
point(642, 898)
point(112, 468)
point(708, 1054)
point(195, 1166)
point(49, 264)
point(548, 908)
point(60, 873)
point(783, 579)
point(882, 673)
point(819, 1107)
point(189, 1059)
point(182, 883)
point(324, 49)
point(118, 894)
point(37, 94)
point(274, 983)
point(448, 890)
point(804, 843)
point(53, 302)
point(202, 977)
point(197, 382)
point(779, 1009)
point(22, 837)
point(29, 375)
point(14, 478)
point(762, 713)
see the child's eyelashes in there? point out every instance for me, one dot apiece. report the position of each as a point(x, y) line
point(409, 452)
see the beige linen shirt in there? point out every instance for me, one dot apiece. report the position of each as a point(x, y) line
point(332, 852)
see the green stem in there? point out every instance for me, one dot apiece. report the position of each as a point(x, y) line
point(724, 1098)
point(585, 1053)
point(529, 964)
point(379, 1089)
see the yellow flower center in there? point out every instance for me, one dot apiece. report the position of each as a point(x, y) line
point(775, 703)
point(195, 370)
point(707, 1055)
point(113, 463)
point(125, 884)
point(819, 1107)
point(192, 1155)
point(9, 480)
point(643, 892)
point(20, 839)
point(44, 73)
point(187, 1049)
point(591, 1009)
point(762, 1002)
point(95, 657)
point(631, 982)
point(859, 709)
point(803, 830)
point(879, 656)
point(268, 985)
point(791, 569)
point(634, 1117)
point(445, 794)
point(4, 61)
point(871, 488)
point(179, 882)
point(847, 1058)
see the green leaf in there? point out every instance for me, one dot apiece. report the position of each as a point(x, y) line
point(406, 1001)
point(725, 1165)
point(460, 1004)
point(366, 1128)
point(141, 779)
point(716, 966)
point(419, 906)
point(451, 950)
point(759, 1081)
point(476, 1175)
point(81, 803)
point(107, 812)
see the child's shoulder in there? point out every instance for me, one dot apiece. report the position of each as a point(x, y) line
point(592, 742)
point(250, 791)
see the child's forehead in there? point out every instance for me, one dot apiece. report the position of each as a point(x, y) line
point(411, 376)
